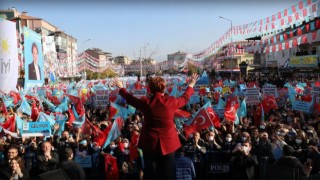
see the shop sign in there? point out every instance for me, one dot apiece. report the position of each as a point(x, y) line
point(304, 61)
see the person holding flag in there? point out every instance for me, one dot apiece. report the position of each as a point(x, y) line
point(159, 139)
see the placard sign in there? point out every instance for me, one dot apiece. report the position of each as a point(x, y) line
point(36, 129)
point(138, 93)
point(101, 98)
point(301, 106)
point(84, 161)
point(270, 89)
point(252, 96)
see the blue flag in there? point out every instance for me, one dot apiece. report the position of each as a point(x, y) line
point(114, 133)
point(43, 117)
point(19, 123)
point(242, 111)
point(79, 121)
point(49, 104)
point(25, 107)
point(221, 104)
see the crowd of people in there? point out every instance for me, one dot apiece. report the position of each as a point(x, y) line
point(286, 142)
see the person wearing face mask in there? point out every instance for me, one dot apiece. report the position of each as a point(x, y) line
point(211, 144)
point(264, 151)
point(243, 163)
point(228, 144)
point(300, 148)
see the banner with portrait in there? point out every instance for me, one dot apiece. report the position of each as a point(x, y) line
point(34, 74)
point(8, 56)
point(51, 65)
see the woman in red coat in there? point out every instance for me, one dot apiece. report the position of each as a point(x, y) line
point(159, 139)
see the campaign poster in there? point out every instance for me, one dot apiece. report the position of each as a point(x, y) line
point(34, 73)
point(50, 62)
point(8, 56)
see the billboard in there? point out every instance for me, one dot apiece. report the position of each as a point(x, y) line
point(34, 75)
point(8, 56)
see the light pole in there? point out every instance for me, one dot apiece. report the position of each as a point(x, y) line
point(84, 48)
point(231, 43)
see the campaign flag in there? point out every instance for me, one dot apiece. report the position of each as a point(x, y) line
point(118, 110)
point(174, 91)
point(79, 121)
point(62, 107)
point(9, 56)
point(49, 104)
point(221, 104)
point(43, 117)
point(115, 132)
point(299, 89)
point(25, 107)
point(75, 113)
point(200, 121)
point(111, 167)
point(8, 101)
point(19, 123)
point(99, 138)
point(61, 123)
point(242, 111)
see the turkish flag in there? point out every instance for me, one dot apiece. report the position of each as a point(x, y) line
point(314, 35)
point(299, 31)
point(231, 108)
point(304, 39)
point(279, 15)
point(258, 114)
point(289, 19)
point(214, 117)
point(307, 27)
point(73, 99)
point(10, 124)
point(297, 15)
point(282, 22)
point(285, 36)
point(280, 47)
point(202, 92)
point(268, 103)
point(287, 45)
point(34, 112)
point(304, 12)
point(181, 114)
point(300, 5)
point(293, 8)
point(295, 42)
point(80, 109)
point(318, 24)
point(285, 13)
point(111, 167)
point(200, 121)
point(317, 84)
point(138, 85)
point(133, 150)
point(71, 116)
point(16, 97)
point(100, 138)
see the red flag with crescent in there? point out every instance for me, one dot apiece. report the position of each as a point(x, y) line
point(231, 108)
point(199, 122)
point(214, 117)
point(268, 103)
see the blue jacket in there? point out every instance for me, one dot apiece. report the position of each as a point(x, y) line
point(184, 168)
